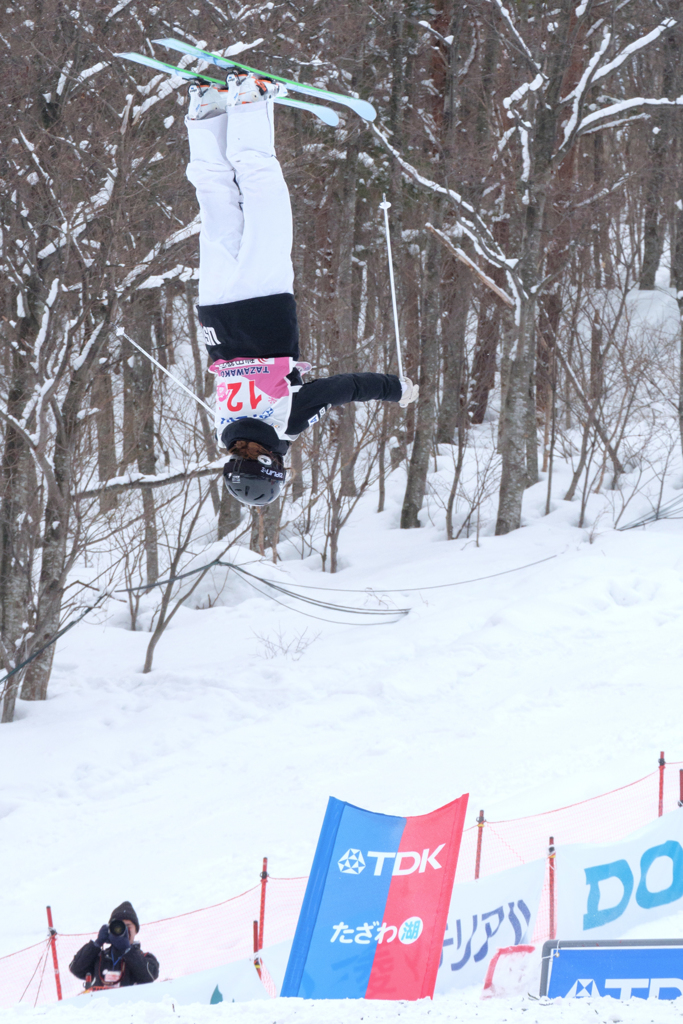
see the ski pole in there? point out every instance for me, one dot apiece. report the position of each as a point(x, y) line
point(122, 334)
point(384, 205)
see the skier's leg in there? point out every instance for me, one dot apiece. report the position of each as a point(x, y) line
point(220, 205)
point(265, 254)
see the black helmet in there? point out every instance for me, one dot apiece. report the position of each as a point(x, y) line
point(254, 481)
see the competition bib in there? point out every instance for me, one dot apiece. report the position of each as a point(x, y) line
point(255, 389)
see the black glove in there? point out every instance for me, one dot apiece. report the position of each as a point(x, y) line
point(102, 936)
point(121, 943)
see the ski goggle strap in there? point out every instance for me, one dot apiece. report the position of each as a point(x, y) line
point(236, 467)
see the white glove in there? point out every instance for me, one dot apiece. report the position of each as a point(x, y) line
point(409, 392)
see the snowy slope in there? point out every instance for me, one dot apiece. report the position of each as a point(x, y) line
point(530, 690)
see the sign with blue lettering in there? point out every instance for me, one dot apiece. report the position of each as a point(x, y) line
point(640, 968)
point(499, 910)
point(604, 891)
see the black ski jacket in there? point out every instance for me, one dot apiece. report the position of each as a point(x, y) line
point(137, 968)
point(267, 326)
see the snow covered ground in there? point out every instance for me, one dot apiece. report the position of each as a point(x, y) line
point(463, 1009)
point(529, 690)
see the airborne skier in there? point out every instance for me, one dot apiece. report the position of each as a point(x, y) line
point(246, 301)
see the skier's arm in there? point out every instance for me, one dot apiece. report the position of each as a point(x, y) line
point(141, 967)
point(316, 397)
point(85, 959)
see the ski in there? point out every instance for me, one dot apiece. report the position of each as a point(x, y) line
point(326, 114)
point(360, 107)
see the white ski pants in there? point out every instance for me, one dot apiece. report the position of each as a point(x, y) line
point(245, 243)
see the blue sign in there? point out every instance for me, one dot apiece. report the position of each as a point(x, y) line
point(644, 969)
point(376, 904)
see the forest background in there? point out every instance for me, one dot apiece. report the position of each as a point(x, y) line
point(531, 154)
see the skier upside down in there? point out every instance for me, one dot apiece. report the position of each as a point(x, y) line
point(246, 302)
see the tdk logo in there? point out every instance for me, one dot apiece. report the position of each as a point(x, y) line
point(404, 863)
point(351, 863)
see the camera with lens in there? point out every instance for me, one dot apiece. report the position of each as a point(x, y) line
point(117, 927)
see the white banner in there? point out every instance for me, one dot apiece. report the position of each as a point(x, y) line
point(604, 891)
point(499, 910)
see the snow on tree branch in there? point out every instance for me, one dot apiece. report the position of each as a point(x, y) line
point(89, 72)
point(617, 108)
point(632, 48)
point(82, 216)
point(505, 14)
point(473, 225)
point(132, 481)
point(193, 228)
point(578, 93)
point(464, 258)
point(521, 92)
point(42, 333)
point(117, 10)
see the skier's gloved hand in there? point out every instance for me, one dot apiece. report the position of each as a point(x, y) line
point(102, 936)
point(409, 392)
point(121, 943)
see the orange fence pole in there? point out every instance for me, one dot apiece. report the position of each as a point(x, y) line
point(480, 836)
point(680, 787)
point(257, 961)
point(662, 766)
point(262, 916)
point(53, 944)
point(551, 886)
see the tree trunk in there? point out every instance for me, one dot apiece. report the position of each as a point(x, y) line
point(454, 328)
point(295, 454)
point(380, 457)
point(677, 282)
point(653, 236)
point(52, 578)
point(488, 332)
point(59, 547)
point(206, 425)
point(143, 402)
point(16, 527)
point(532, 474)
point(425, 417)
point(103, 400)
point(265, 525)
point(229, 513)
point(346, 337)
point(513, 439)
point(518, 435)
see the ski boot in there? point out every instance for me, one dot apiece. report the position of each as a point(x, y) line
point(255, 88)
point(240, 87)
point(209, 101)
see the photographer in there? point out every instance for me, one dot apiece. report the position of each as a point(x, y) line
point(114, 959)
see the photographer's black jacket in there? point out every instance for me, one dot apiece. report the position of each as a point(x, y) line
point(267, 326)
point(137, 968)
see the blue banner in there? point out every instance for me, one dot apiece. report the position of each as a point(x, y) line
point(644, 969)
point(374, 913)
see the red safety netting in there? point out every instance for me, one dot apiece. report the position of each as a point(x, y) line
point(190, 942)
point(27, 976)
point(601, 819)
point(223, 933)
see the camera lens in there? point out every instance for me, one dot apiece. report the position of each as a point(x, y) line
point(117, 927)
